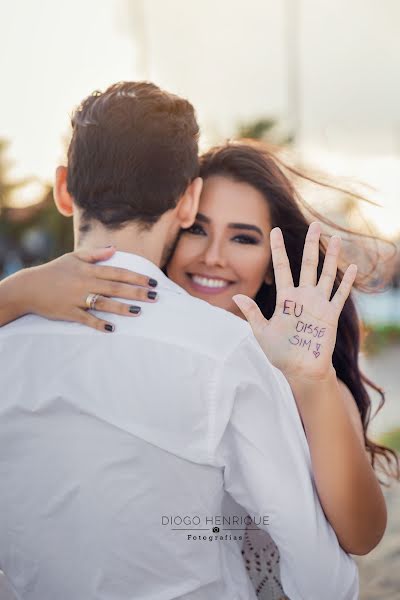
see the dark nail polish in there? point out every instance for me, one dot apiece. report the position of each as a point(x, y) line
point(152, 295)
point(109, 327)
point(153, 282)
point(135, 310)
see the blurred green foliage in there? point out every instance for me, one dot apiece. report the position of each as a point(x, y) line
point(379, 336)
point(7, 187)
point(391, 439)
point(266, 129)
point(32, 234)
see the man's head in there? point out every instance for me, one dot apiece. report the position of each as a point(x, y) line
point(132, 158)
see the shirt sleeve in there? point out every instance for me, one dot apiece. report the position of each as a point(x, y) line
point(267, 469)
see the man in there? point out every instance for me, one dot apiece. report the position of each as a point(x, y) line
point(116, 450)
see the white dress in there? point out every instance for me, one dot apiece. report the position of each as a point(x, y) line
point(261, 557)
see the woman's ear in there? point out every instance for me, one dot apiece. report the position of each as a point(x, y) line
point(62, 198)
point(188, 204)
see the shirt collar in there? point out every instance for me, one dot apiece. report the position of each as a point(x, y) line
point(140, 264)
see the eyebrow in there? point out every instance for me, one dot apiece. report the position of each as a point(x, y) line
point(246, 226)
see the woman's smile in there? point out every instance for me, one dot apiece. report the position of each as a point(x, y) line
point(208, 284)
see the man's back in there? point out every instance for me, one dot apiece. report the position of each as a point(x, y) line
point(105, 452)
point(115, 451)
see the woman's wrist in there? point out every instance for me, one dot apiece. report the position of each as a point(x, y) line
point(310, 382)
point(14, 296)
point(311, 392)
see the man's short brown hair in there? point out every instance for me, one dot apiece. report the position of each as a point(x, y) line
point(133, 152)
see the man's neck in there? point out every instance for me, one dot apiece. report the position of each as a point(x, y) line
point(133, 239)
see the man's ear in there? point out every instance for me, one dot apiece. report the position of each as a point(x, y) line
point(62, 198)
point(188, 205)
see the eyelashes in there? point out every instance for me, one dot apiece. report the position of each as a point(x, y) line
point(242, 238)
point(246, 239)
point(195, 229)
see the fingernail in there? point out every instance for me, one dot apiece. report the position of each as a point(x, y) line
point(135, 309)
point(153, 282)
point(152, 295)
point(109, 327)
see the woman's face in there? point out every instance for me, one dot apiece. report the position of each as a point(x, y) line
point(226, 251)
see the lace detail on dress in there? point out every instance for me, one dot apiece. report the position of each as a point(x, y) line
point(261, 557)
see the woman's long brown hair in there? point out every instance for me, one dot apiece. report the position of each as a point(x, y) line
point(257, 165)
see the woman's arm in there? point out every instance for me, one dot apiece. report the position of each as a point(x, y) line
point(299, 339)
point(13, 300)
point(348, 489)
point(59, 288)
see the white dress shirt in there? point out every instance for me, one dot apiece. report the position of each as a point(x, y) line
point(112, 444)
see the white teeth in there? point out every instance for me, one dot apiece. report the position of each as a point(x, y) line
point(212, 283)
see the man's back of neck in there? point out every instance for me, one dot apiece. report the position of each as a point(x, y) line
point(131, 238)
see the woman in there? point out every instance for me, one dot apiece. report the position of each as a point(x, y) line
point(225, 253)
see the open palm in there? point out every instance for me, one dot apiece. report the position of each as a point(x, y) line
point(300, 337)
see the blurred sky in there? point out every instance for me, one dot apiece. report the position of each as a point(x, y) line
point(52, 54)
point(331, 69)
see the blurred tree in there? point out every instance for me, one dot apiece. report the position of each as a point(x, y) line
point(38, 232)
point(396, 268)
point(266, 129)
point(32, 234)
point(7, 187)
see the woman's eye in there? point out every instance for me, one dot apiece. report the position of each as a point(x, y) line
point(246, 239)
point(195, 230)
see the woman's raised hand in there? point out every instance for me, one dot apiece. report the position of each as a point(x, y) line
point(59, 289)
point(300, 337)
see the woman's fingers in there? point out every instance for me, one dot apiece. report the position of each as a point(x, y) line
point(86, 318)
point(115, 281)
point(252, 312)
point(329, 270)
point(280, 261)
point(123, 276)
point(309, 263)
point(117, 308)
point(92, 255)
point(344, 289)
point(114, 289)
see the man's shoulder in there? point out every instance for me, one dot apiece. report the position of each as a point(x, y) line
point(35, 323)
point(198, 323)
point(176, 319)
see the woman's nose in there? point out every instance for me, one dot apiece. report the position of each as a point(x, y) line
point(214, 255)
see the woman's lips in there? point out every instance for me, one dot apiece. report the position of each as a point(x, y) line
point(208, 285)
